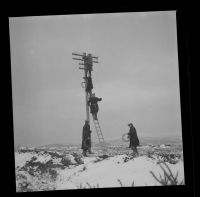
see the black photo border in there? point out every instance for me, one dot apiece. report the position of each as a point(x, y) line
point(183, 56)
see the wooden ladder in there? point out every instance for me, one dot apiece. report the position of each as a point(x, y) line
point(98, 129)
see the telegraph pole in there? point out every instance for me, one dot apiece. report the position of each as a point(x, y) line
point(87, 61)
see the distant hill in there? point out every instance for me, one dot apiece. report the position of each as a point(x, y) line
point(143, 141)
point(161, 140)
point(57, 145)
point(53, 145)
point(151, 140)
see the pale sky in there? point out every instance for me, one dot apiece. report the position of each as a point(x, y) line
point(137, 75)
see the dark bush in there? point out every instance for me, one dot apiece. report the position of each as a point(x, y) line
point(66, 161)
point(171, 158)
point(97, 160)
point(103, 156)
point(150, 155)
point(55, 155)
point(25, 151)
point(129, 157)
point(53, 174)
point(77, 158)
point(24, 187)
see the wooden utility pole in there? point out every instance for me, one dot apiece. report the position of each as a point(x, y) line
point(87, 61)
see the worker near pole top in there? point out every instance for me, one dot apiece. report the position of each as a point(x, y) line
point(134, 141)
point(88, 63)
point(89, 85)
point(93, 103)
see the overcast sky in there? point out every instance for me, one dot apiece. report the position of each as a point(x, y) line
point(137, 75)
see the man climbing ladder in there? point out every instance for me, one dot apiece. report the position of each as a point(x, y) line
point(94, 107)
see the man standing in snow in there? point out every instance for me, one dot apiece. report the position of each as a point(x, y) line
point(134, 141)
point(86, 138)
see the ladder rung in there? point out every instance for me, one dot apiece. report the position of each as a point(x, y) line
point(100, 136)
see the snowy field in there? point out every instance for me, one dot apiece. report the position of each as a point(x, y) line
point(63, 168)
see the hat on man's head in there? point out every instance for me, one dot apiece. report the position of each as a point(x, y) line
point(130, 124)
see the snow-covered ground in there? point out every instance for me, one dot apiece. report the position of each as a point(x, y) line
point(38, 170)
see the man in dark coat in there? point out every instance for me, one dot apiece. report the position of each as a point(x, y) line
point(134, 141)
point(86, 138)
point(94, 108)
point(88, 63)
point(89, 85)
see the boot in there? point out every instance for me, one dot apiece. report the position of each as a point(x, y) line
point(89, 151)
point(137, 154)
point(84, 154)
